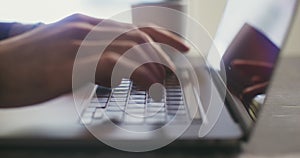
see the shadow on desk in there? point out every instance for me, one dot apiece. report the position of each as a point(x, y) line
point(91, 153)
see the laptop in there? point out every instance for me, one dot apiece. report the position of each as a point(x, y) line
point(221, 114)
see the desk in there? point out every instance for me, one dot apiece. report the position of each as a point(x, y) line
point(278, 129)
point(276, 134)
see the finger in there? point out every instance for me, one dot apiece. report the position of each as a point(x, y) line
point(153, 50)
point(250, 92)
point(130, 49)
point(158, 34)
point(153, 47)
point(161, 35)
point(162, 55)
point(145, 78)
point(252, 67)
point(123, 68)
point(141, 38)
point(142, 55)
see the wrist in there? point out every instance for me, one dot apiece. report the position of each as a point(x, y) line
point(18, 28)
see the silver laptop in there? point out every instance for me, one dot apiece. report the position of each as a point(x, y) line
point(128, 119)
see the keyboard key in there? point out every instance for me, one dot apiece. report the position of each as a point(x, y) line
point(136, 111)
point(137, 97)
point(174, 98)
point(119, 104)
point(174, 102)
point(136, 106)
point(135, 92)
point(126, 88)
point(176, 112)
point(174, 94)
point(173, 90)
point(139, 107)
point(119, 92)
point(119, 96)
point(173, 87)
point(98, 105)
point(156, 104)
point(99, 100)
point(136, 102)
point(125, 82)
point(115, 108)
point(118, 99)
point(180, 107)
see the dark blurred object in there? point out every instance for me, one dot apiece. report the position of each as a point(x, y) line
point(248, 63)
point(4, 30)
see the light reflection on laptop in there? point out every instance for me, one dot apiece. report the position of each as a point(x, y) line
point(249, 44)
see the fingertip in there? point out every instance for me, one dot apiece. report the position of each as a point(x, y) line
point(185, 48)
point(181, 45)
point(167, 37)
point(142, 77)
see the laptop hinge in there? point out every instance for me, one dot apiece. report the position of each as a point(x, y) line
point(234, 106)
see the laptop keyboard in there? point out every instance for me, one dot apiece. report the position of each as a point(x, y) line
point(126, 104)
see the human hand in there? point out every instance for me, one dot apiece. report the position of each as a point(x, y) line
point(37, 65)
point(249, 78)
point(248, 63)
point(19, 28)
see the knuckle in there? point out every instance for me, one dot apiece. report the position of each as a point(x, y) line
point(144, 36)
point(132, 44)
point(76, 29)
point(77, 16)
point(109, 57)
point(71, 26)
point(140, 36)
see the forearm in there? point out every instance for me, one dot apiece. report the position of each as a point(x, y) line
point(5, 29)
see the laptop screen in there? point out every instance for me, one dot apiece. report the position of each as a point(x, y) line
point(249, 39)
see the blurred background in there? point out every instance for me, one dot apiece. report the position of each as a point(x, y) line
point(207, 12)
